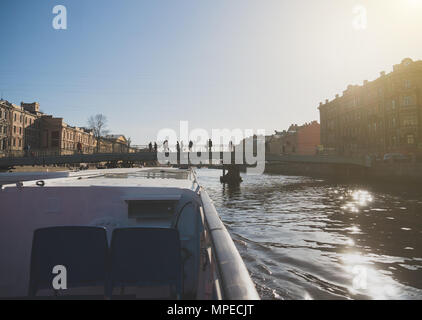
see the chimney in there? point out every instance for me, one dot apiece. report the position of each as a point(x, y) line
point(382, 73)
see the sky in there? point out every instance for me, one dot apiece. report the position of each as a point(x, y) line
point(249, 64)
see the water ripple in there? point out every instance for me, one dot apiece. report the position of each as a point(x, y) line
point(309, 239)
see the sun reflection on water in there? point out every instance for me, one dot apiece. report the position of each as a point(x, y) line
point(366, 280)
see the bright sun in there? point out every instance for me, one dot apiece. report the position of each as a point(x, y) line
point(415, 3)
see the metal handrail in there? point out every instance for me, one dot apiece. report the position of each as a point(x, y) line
point(236, 282)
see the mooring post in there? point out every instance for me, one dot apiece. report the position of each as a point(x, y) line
point(232, 176)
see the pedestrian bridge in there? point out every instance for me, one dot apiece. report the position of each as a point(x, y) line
point(195, 158)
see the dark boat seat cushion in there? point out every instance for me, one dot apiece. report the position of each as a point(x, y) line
point(144, 257)
point(82, 250)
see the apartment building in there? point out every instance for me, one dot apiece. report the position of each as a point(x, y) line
point(59, 138)
point(377, 117)
point(5, 111)
point(19, 127)
point(25, 129)
point(297, 140)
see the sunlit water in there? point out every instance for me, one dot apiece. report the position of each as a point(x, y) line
point(303, 238)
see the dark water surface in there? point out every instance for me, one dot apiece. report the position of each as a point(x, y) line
point(303, 238)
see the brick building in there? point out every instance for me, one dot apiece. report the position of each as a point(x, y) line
point(25, 129)
point(299, 140)
point(378, 117)
point(57, 137)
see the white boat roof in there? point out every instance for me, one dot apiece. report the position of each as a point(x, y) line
point(133, 177)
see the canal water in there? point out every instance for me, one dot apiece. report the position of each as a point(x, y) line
point(305, 238)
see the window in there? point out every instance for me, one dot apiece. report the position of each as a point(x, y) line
point(14, 117)
point(20, 130)
point(407, 101)
point(410, 139)
point(14, 142)
point(356, 101)
point(408, 122)
point(14, 129)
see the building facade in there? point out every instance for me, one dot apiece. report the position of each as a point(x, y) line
point(59, 138)
point(24, 130)
point(20, 127)
point(297, 140)
point(113, 143)
point(378, 117)
point(5, 111)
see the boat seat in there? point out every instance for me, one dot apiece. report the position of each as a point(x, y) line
point(145, 257)
point(82, 250)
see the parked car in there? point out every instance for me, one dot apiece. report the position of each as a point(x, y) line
point(395, 157)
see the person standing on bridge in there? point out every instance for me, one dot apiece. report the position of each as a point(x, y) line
point(209, 145)
point(27, 150)
point(190, 145)
point(178, 147)
point(150, 147)
point(155, 146)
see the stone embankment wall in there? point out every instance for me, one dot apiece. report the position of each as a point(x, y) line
point(394, 172)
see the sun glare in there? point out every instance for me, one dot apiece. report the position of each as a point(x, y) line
point(415, 3)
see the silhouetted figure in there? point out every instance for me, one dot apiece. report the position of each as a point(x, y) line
point(178, 147)
point(190, 145)
point(209, 145)
point(150, 147)
point(27, 150)
point(230, 146)
point(155, 146)
point(166, 145)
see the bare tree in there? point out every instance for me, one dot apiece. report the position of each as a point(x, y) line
point(98, 125)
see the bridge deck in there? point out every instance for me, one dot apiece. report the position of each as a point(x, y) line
point(227, 157)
